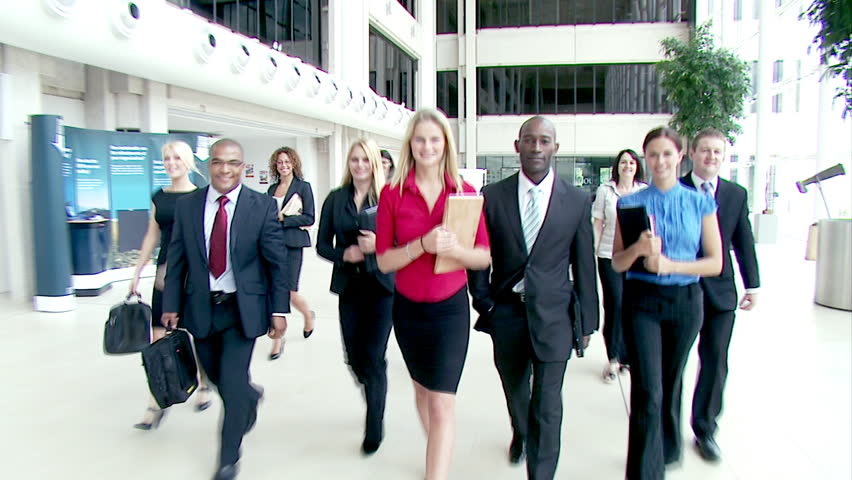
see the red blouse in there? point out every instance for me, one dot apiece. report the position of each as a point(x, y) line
point(403, 218)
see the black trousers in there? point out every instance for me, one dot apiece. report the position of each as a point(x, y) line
point(365, 325)
point(226, 357)
point(662, 322)
point(612, 283)
point(713, 343)
point(536, 415)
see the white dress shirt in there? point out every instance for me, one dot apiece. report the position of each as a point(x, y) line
point(225, 283)
point(524, 187)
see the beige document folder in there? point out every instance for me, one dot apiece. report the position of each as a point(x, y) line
point(461, 216)
point(293, 206)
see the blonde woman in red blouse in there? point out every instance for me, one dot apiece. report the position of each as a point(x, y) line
point(431, 313)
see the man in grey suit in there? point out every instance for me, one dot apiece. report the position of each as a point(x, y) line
point(542, 251)
point(226, 274)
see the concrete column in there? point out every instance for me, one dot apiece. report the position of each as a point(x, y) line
point(467, 65)
point(100, 101)
point(426, 87)
point(762, 159)
point(154, 114)
point(16, 269)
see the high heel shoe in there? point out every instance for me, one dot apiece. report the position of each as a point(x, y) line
point(277, 355)
point(201, 406)
point(308, 333)
point(159, 413)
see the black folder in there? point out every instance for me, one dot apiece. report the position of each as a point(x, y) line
point(367, 221)
point(632, 221)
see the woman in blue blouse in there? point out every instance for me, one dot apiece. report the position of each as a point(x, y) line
point(662, 306)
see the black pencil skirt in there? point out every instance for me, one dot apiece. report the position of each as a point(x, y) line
point(433, 339)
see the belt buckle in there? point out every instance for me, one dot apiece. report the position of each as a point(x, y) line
point(522, 296)
point(219, 298)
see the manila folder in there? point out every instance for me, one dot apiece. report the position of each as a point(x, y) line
point(461, 216)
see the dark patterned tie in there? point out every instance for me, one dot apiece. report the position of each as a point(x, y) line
point(219, 240)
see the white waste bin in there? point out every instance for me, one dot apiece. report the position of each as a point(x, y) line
point(834, 264)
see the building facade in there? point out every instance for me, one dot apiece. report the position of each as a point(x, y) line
point(587, 65)
point(311, 74)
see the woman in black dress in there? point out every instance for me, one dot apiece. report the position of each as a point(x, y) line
point(178, 161)
point(296, 213)
point(365, 295)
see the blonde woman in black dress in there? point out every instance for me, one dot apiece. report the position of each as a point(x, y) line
point(178, 162)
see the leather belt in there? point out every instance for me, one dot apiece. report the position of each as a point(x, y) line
point(220, 297)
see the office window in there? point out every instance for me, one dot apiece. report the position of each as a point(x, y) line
point(777, 103)
point(735, 158)
point(447, 21)
point(622, 88)
point(289, 26)
point(777, 71)
point(448, 93)
point(586, 173)
point(520, 13)
point(738, 10)
point(392, 71)
point(408, 5)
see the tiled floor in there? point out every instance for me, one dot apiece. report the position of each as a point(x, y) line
point(67, 409)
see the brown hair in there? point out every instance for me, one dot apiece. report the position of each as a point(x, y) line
point(640, 173)
point(294, 159)
point(664, 132)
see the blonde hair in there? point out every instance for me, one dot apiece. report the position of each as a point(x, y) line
point(372, 151)
point(184, 152)
point(449, 166)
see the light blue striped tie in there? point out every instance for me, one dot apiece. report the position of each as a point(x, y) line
point(707, 187)
point(532, 218)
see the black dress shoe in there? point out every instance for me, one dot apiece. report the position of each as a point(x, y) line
point(157, 417)
point(369, 447)
point(228, 472)
point(277, 355)
point(708, 448)
point(516, 450)
point(308, 333)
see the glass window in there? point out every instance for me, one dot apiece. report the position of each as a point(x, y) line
point(289, 26)
point(447, 16)
point(519, 13)
point(777, 103)
point(738, 9)
point(392, 71)
point(448, 93)
point(621, 88)
point(777, 71)
point(604, 11)
point(408, 5)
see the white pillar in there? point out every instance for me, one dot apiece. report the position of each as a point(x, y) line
point(100, 101)
point(762, 158)
point(426, 87)
point(16, 264)
point(155, 108)
point(467, 66)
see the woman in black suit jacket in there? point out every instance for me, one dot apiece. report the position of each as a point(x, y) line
point(346, 238)
point(296, 213)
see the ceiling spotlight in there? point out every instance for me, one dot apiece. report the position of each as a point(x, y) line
point(382, 109)
point(329, 89)
point(206, 47)
point(291, 76)
point(397, 113)
point(358, 102)
point(126, 18)
point(345, 97)
point(270, 68)
point(62, 8)
point(241, 59)
point(371, 104)
point(312, 84)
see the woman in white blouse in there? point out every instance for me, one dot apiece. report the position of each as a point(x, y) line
point(627, 178)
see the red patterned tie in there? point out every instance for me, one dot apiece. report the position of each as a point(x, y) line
point(219, 240)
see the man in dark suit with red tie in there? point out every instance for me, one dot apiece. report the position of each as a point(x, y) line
point(226, 276)
point(720, 293)
point(542, 252)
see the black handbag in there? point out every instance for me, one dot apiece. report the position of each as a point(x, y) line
point(128, 328)
point(171, 368)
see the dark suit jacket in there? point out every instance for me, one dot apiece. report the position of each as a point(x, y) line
point(257, 259)
point(735, 227)
point(565, 242)
point(293, 235)
point(338, 229)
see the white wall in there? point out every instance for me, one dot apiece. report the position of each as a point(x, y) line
point(581, 44)
point(72, 111)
